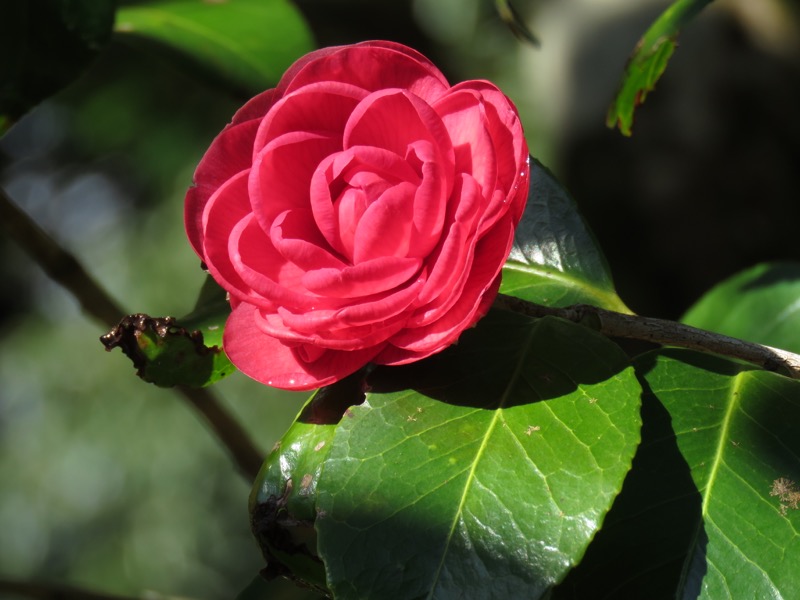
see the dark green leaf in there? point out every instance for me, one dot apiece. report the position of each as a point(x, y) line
point(488, 478)
point(649, 60)
point(709, 508)
point(169, 352)
point(45, 44)
point(555, 259)
point(515, 22)
point(283, 499)
point(244, 44)
point(760, 305)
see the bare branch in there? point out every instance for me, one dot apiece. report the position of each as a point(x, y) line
point(64, 268)
point(61, 266)
point(661, 331)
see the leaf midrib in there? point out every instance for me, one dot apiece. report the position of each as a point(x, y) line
point(712, 476)
point(607, 299)
point(479, 455)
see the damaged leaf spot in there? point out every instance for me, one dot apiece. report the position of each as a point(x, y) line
point(787, 492)
point(167, 354)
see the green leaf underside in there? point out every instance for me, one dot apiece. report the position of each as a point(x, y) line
point(555, 259)
point(696, 518)
point(247, 44)
point(761, 304)
point(492, 475)
point(649, 60)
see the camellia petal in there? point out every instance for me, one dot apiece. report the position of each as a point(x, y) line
point(360, 211)
point(294, 235)
point(273, 363)
point(282, 171)
point(322, 107)
point(366, 278)
point(374, 66)
point(228, 155)
point(227, 208)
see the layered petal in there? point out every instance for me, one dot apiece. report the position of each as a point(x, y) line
point(360, 211)
point(276, 364)
point(372, 66)
point(230, 153)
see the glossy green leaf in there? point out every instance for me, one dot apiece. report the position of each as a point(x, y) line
point(555, 259)
point(487, 478)
point(169, 352)
point(243, 44)
point(707, 510)
point(761, 304)
point(283, 499)
point(44, 45)
point(649, 60)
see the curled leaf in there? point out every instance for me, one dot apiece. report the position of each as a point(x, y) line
point(649, 60)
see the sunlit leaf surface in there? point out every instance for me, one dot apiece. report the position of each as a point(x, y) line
point(761, 304)
point(710, 507)
point(649, 60)
point(555, 259)
point(244, 44)
point(487, 468)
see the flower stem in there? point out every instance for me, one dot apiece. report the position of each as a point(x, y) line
point(65, 269)
point(660, 331)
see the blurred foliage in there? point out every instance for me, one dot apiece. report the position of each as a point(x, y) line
point(231, 43)
point(45, 45)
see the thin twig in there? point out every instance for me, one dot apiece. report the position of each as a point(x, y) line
point(228, 429)
point(66, 269)
point(661, 331)
point(59, 264)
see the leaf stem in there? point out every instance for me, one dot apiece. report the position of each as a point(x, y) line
point(65, 269)
point(660, 331)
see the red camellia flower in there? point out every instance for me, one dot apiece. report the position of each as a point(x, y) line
point(359, 212)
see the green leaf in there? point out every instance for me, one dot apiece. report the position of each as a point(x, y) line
point(555, 259)
point(761, 304)
point(283, 498)
point(243, 44)
point(708, 509)
point(649, 60)
point(169, 352)
point(209, 313)
point(515, 22)
point(490, 476)
point(44, 45)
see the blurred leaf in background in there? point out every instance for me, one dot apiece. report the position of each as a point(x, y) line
point(44, 45)
point(242, 45)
